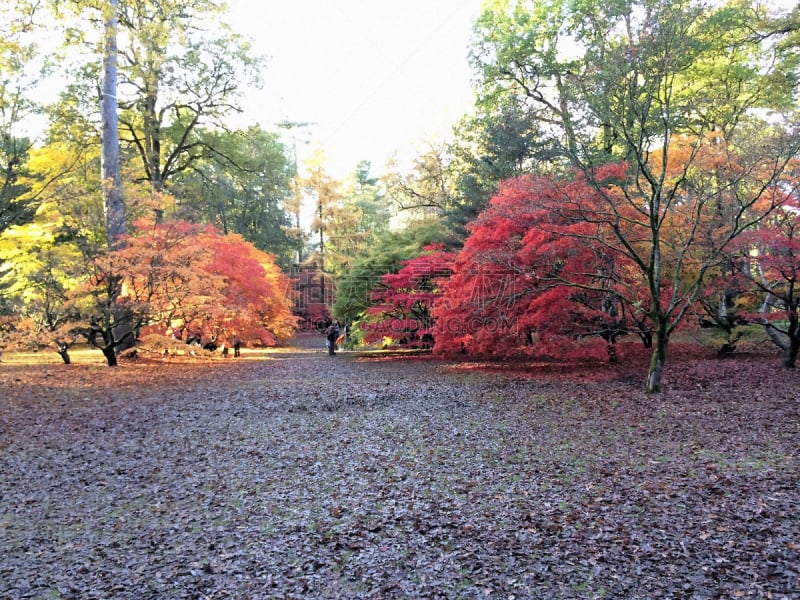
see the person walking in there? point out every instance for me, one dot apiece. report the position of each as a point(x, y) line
point(332, 333)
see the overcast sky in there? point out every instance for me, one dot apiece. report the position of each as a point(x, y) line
point(375, 76)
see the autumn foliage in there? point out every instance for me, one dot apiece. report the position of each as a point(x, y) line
point(401, 310)
point(190, 280)
point(565, 267)
point(766, 263)
point(534, 278)
point(256, 294)
point(170, 279)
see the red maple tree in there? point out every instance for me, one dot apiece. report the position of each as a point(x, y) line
point(401, 309)
point(533, 278)
point(767, 259)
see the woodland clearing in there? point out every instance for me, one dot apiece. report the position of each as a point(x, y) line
point(293, 474)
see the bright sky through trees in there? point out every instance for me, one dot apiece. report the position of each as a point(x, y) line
point(374, 76)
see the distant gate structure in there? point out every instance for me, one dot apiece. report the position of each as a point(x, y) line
point(314, 295)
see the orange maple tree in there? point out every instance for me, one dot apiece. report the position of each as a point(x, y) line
point(257, 302)
point(178, 279)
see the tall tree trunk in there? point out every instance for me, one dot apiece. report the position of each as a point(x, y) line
point(321, 257)
point(113, 202)
point(658, 359)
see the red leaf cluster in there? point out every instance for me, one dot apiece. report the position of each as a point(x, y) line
point(401, 309)
point(534, 269)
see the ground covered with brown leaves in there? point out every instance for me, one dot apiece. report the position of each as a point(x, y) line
point(298, 475)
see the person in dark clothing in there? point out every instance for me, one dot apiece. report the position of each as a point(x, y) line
point(332, 333)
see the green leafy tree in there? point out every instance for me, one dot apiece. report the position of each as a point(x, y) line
point(246, 189)
point(365, 194)
point(22, 68)
point(428, 189)
point(19, 76)
point(177, 78)
point(181, 72)
point(501, 141)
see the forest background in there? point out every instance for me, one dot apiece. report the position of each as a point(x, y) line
point(629, 173)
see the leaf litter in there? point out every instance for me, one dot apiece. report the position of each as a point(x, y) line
point(308, 476)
